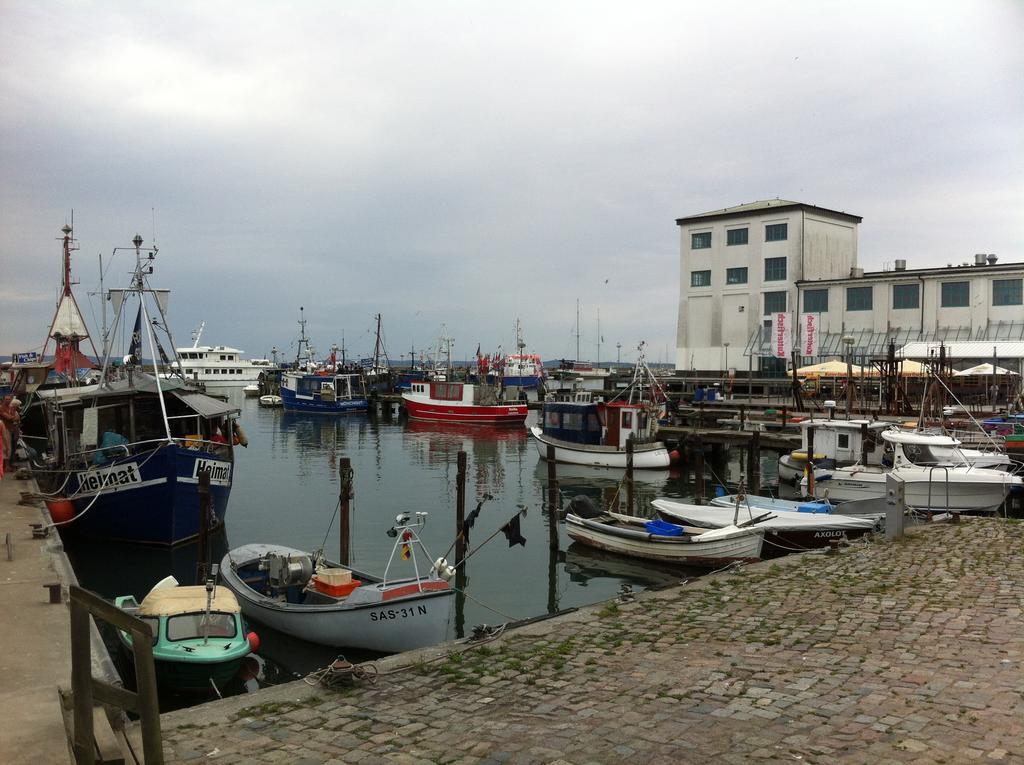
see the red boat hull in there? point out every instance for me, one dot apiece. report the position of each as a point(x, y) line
point(503, 414)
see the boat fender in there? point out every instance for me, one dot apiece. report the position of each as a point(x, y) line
point(443, 570)
point(254, 641)
point(61, 510)
point(675, 457)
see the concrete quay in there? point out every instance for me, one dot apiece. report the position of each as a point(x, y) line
point(890, 652)
point(35, 652)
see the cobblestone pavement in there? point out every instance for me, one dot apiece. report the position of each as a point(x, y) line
point(891, 652)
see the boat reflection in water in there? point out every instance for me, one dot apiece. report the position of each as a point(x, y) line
point(584, 563)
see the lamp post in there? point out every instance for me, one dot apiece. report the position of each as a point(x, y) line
point(726, 357)
point(618, 353)
point(848, 342)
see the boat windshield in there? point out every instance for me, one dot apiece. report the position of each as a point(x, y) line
point(198, 625)
point(923, 454)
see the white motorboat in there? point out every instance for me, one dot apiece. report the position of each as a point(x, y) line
point(251, 391)
point(305, 596)
point(271, 401)
point(836, 442)
point(849, 442)
point(785, 530)
point(666, 542)
point(929, 483)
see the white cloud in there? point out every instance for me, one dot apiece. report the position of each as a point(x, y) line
point(474, 163)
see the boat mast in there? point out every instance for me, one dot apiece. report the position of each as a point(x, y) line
point(140, 286)
point(577, 329)
point(376, 347)
point(198, 333)
point(67, 329)
point(303, 340)
point(598, 362)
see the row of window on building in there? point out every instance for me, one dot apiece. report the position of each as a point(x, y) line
point(951, 295)
point(774, 271)
point(773, 232)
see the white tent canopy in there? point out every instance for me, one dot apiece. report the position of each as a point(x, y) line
point(984, 370)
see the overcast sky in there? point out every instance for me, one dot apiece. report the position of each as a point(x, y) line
point(471, 163)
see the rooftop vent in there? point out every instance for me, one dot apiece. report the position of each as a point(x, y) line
point(992, 258)
point(856, 273)
point(979, 258)
point(901, 265)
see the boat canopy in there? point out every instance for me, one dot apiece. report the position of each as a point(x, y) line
point(170, 601)
point(572, 422)
point(923, 439)
point(205, 406)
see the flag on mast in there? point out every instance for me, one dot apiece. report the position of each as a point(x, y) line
point(135, 349)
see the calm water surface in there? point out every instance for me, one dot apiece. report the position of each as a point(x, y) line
point(286, 489)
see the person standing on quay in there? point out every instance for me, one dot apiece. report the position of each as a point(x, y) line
point(10, 417)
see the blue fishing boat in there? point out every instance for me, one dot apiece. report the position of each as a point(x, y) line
point(123, 459)
point(323, 393)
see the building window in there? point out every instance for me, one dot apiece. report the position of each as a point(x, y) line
point(774, 269)
point(700, 278)
point(905, 296)
point(1006, 292)
point(774, 302)
point(736, 275)
point(815, 301)
point(956, 294)
point(776, 232)
point(858, 298)
point(736, 236)
point(700, 241)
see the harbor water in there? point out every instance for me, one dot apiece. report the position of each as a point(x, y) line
point(286, 487)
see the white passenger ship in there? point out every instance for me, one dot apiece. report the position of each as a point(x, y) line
point(218, 365)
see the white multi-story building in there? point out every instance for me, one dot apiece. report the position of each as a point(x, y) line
point(741, 264)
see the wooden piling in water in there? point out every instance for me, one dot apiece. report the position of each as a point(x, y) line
point(460, 506)
point(552, 498)
point(344, 521)
point(754, 463)
point(698, 471)
point(629, 475)
point(809, 464)
point(203, 541)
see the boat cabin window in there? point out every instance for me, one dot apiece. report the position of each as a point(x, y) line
point(551, 419)
point(192, 626)
point(446, 391)
point(572, 421)
point(627, 419)
point(844, 440)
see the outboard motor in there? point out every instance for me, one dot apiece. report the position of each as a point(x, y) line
point(583, 506)
point(289, 570)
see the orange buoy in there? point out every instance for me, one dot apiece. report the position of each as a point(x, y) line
point(61, 510)
point(254, 641)
point(675, 457)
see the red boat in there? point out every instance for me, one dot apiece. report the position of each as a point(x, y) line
point(461, 402)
